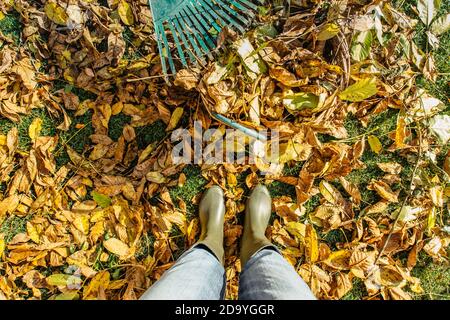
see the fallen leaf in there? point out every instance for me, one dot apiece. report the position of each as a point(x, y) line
point(383, 190)
point(175, 119)
point(34, 130)
point(101, 199)
point(117, 247)
point(311, 244)
point(360, 91)
point(329, 192)
point(56, 13)
point(126, 13)
point(440, 127)
point(32, 232)
point(65, 280)
point(390, 167)
point(329, 31)
point(375, 144)
point(427, 10)
point(441, 25)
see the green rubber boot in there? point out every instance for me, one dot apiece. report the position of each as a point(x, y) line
point(212, 216)
point(257, 216)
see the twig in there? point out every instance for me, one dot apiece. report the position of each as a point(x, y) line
point(419, 156)
point(149, 78)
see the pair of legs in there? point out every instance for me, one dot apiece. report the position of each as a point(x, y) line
point(199, 273)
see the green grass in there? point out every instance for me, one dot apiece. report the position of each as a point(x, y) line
point(440, 89)
point(435, 279)
point(48, 127)
point(194, 185)
point(11, 26)
point(358, 291)
point(13, 225)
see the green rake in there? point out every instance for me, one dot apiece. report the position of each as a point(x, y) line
point(194, 25)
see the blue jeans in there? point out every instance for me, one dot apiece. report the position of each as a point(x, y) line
point(198, 275)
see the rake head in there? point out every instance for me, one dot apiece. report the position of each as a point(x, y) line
point(194, 25)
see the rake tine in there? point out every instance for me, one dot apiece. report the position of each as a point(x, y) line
point(243, 8)
point(201, 24)
point(166, 45)
point(221, 16)
point(211, 20)
point(177, 43)
point(189, 36)
point(232, 12)
point(160, 49)
point(185, 41)
point(187, 19)
point(249, 4)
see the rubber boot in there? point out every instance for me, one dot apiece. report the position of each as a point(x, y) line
point(257, 216)
point(212, 215)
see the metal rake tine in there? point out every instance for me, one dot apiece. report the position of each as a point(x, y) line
point(221, 16)
point(177, 43)
point(202, 24)
point(185, 41)
point(160, 49)
point(249, 4)
point(242, 8)
point(166, 44)
point(194, 31)
point(189, 36)
point(210, 20)
point(232, 12)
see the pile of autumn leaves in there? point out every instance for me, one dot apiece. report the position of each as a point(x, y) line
point(95, 212)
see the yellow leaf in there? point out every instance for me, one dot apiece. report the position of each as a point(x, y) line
point(181, 180)
point(338, 260)
point(147, 151)
point(360, 91)
point(329, 192)
point(25, 70)
point(375, 144)
point(60, 279)
point(2, 247)
point(330, 30)
point(126, 13)
point(81, 222)
point(231, 180)
point(447, 163)
point(312, 244)
point(415, 286)
point(69, 295)
point(32, 232)
point(344, 285)
point(400, 132)
point(431, 221)
point(2, 16)
point(117, 284)
point(155, 177)
point(97, 231)
point(384, 190)
point(175, 118)
point(101, 280)
point(56, 13)
point(117, 247)
point(297, 229)
point(34, 130)
point(437, 196)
